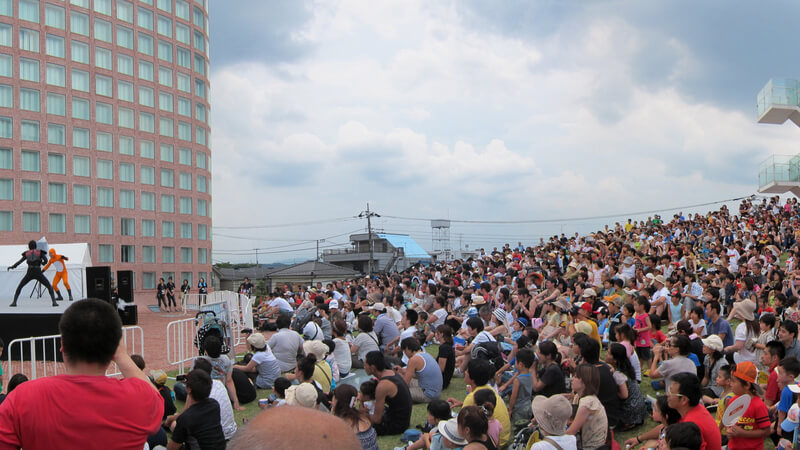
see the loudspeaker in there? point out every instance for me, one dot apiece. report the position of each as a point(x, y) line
point(125, 285)
point(129, 315)
point(98, 283)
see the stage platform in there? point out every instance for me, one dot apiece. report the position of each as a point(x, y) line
point(33, 306)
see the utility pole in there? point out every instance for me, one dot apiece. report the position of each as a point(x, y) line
point(318, 241)
point(369, 215)
point(256, 256)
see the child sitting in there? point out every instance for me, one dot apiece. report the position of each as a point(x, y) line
point(754, 426)
point(487, 399)
point(696, 321)
point(522, 388)
point(656, 335)
point(438, 410)
point(723, 381)
point(366, 395)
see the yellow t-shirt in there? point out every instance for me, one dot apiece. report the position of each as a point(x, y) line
point(500, 413)
point(721, 407)
point(323, 376)
point(595, 334)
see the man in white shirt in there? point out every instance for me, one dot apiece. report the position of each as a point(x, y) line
point(220, 394)
point(661, 297)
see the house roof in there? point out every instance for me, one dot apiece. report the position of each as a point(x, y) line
point(253, 273)
point(318, 269)
point(411, 249)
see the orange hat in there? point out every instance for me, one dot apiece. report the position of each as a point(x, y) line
point(746, 371)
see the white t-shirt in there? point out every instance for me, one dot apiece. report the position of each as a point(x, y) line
point(566, 442)
point(663, 292)
point(342, 354)
point(312, 331)
point(282, 304)
point(441, 315)
point(220, 394)
point(483, 336)
point(743, 354)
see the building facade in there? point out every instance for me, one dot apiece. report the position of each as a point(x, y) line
point(104, 132)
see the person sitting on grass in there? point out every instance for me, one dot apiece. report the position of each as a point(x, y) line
point(663, 416)
point(343, 407)
point(772, 356)
point(723, 380)
point(551, 415)
point(671, 360)
point(473, 425)
point(684, 394)
point(754, 426)
point(263, 368)
point(220, 394)
point(422, 375)
point(522, 388)
point(590, 419)
point(478, 374)
point(684, 435)
point(13, 382)
point(633, 407)
point(222, 367)
point(198, 426)
point(438, 411)
point(393, 403)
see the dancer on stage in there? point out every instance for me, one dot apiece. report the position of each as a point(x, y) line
point(59, 262)
point(35, 258)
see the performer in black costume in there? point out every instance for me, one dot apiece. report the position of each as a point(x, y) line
point(35, 259)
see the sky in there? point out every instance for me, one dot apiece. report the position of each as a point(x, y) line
point(471, 110)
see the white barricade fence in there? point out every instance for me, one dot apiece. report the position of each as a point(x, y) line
point(180, 342)
point(40, 356)
point(192, 302)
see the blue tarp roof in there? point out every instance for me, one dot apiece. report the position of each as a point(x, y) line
point(410, 247)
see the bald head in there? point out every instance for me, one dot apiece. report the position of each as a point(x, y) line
point(291, 427)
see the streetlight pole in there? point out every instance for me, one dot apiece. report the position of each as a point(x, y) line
point(369, 215)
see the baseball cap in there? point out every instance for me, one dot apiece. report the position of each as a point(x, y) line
point(746, 371)
point(792, 419)
point(472, 311)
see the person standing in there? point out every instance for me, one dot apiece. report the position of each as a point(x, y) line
point(202, 289)
point(34, 258)
point(59, 262)
point(170, 287)
point(185, 288)
point(161, 294)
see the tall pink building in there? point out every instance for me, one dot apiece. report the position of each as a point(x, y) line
point(104, 134)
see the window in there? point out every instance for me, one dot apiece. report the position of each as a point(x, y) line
point(105, 197)
point(29, 69)
point(31, 222)
point(105, 225)
point(202, 232)
point(54, 46)
point(199, 41)
point(184, 107)
point(148, 175)
point(125, 117)
point(126, 145)
point(183, 34)
point(56, 104)
point(186, 255)
point(105, 253)
point(184, 58)
point(185, 205)
point(186, 231)
point(145, 18)
point(199, 88)
point(167, 153)
point(166, 127)
point(102, 30)
point(7, 66)
point(125, 64)
point(199, 18)
point(105, 169)
point(56, 134)
point(127, 252)
point(164, 76)
point(103, 6)
point(200, 112)
point(127, 200)
point(165, 51)
point(185, 181)
point(147, 122)
point(167, 178)
point(125, 37)
point(201, 160)
point(58, 223)
point(164, 26)
point(200, 136)
point(167, 203)
point(147, 149)
point(104, 113)
point(57, 163)
point(6, 159)
point(56, 75)
point(146, 97)
point(30, 161)
point(165, 101)
point(6, 127)
point(29, 10)
point(29, 99)
point(184, 83)
point(6, 35)
point(102, 58)
point(6, 9)
point(184, 131)
point(202, 182)
point(6, 189)
point(148, 278)
point(80, 79)
point(83, 224)
point(145, 44)
point(185, 156)
point(125, 92)
point(105, 141)
point(168, 255)
point(182, 9)
point(199, 64)
point(30, 130)
point(148, 228)
point(146, 70)
point(202, 256)
point(56, 193)
point(125, 11)
point(79, 23)
point(81, 166)
point(54, 16)
point(167, 229)
point(82, 195)
point(81, 3)
point(148, 201)
point(202, 208)
point(165, 5)
point(31, 191)
point(6, 96)
point(80, 52)
point(81, 108)
point(127, 173)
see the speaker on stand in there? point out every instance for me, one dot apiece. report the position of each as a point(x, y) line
point(129, 313)
point(98, 283)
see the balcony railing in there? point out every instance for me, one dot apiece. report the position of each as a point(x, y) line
point(779, 169)
point(778, 91)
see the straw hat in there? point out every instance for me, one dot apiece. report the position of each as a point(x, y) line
point(552, 413)
point(303, 394)
point(745, 309)
point(449, 430)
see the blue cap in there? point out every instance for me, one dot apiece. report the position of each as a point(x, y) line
point(472, 311)
point(522, 321)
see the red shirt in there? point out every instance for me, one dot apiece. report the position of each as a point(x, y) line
point(708, 427)
point(80, 411)
point(773, 392)
point(755, 418)
point(659, 336)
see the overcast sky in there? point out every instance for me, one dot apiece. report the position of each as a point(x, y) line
point(476, 110)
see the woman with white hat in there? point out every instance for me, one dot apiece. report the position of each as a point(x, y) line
point(263, 367)
point(746, 332)
point(713, 361)
point(551, 415)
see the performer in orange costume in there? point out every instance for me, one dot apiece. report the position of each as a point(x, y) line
point(61, 273)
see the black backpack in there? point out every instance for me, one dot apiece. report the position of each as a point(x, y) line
point(301, 319)
point(489, 351)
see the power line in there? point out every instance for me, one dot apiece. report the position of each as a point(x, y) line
point(251, 252)
point(283, 225)
point(297, 241)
